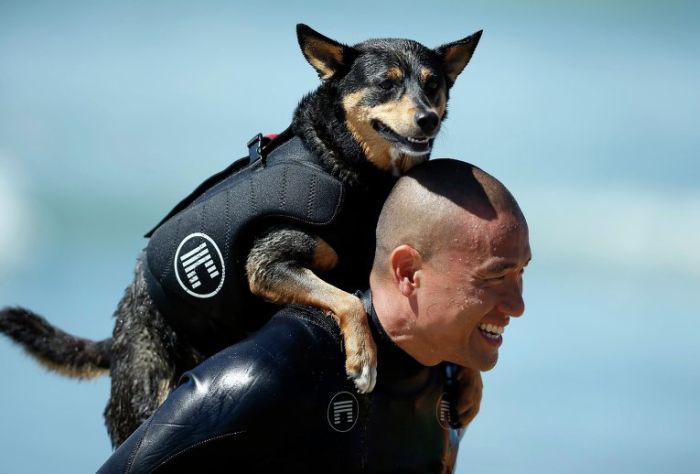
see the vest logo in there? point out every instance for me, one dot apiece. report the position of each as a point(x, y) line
point(199, 266)
point(343, 412)
point(442, 411)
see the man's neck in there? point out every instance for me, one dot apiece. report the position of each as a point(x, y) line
point(395, 364)
point(398, 321)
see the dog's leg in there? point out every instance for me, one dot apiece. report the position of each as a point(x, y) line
point(470, 387)
point(278, 269)
point(147, 360)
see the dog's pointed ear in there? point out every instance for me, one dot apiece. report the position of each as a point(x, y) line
point(455, 56)
point(327, 56)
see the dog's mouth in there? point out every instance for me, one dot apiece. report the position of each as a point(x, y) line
point(409, 145)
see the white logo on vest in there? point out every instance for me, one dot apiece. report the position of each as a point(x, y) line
point(343, 412)
point(199, 266)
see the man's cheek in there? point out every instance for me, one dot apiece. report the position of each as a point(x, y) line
point(434, 316)
point(473, 300)
point(481, 296)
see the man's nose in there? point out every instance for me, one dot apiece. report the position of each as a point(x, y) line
point(512, 302)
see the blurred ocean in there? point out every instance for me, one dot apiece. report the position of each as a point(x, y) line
point(588, 111)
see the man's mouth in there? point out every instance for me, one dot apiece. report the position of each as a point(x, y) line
point(408, 145)
point(492, 333)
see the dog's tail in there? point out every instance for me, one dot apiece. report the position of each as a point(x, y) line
point(54, 349)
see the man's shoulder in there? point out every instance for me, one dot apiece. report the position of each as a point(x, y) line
point(236, 396)
point(295, 343)
point(294, 335)
point(282, 367)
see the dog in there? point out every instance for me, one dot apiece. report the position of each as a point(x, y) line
point(374, 116)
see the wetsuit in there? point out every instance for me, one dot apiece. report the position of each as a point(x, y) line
point(280, 402)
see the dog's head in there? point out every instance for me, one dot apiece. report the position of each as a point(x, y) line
point(393, 92)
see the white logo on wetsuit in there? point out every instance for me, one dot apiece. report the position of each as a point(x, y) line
point(199, 266)
point(343, 412)
point(442, 411)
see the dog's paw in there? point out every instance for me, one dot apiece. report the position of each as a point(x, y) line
point(364, 380)
point(360, 349)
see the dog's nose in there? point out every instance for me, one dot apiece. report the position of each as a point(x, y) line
point(427, 121)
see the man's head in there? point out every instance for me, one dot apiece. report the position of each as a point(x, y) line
point(452, 244)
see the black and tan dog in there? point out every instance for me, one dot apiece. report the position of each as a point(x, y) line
point(374, 116)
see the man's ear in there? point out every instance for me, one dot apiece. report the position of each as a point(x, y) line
point(405, 264)
point(327, 56)
point(455, 56)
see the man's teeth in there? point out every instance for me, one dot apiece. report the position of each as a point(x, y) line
point(492, 330)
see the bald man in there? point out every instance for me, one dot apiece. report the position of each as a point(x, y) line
point(452, 245)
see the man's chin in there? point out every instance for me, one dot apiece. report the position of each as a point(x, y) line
point(488, 363)
point(484, 363)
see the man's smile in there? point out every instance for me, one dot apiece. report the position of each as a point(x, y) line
point(492, 333)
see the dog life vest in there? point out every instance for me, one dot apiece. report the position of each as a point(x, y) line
point(195, 258)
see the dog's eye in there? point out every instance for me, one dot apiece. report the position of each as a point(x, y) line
point(387, 84)
point(432, 84)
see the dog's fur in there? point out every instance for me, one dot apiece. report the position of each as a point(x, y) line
point(379, 106)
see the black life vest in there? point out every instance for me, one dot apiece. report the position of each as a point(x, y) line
point(195, 258)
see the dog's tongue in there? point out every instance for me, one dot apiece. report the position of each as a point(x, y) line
point(272, 136)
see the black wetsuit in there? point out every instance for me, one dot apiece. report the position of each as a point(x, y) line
point(280, 402)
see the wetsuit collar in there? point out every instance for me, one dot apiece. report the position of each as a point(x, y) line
point(393, 361)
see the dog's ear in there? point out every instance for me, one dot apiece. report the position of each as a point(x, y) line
point(455, 56)
point(327, 56)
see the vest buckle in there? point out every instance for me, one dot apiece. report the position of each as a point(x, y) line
point(255, 148)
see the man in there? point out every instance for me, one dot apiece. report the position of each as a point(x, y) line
point(451, 248)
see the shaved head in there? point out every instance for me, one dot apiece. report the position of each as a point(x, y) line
point(452, 247)
point(429, 207)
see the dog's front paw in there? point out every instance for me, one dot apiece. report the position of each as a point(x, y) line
point(365, 379)
point(360, 349)
point(470, 388)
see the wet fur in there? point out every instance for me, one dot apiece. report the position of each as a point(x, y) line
point(146, 356)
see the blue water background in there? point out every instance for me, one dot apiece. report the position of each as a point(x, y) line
point(587, 110)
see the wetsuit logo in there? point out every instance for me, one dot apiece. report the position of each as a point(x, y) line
point(343, 412)
point(199, 266)
point(442, 411)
